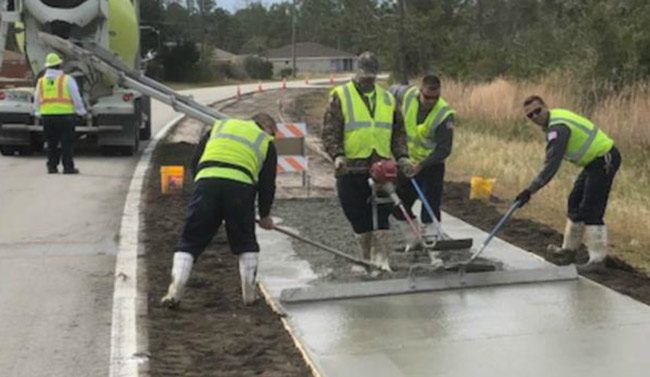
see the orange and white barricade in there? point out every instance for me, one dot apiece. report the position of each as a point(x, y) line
point(290, 145)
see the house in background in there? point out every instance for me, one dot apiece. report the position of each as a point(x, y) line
point(312, 57)
point(221, 56)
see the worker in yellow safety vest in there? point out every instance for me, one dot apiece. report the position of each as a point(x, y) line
point(429, 123)
point(233, 164)
point(572, 137)
point(362, 125)
point(58, 103)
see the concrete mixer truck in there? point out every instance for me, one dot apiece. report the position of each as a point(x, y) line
point(119, 117)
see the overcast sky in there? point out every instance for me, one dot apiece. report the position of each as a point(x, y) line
point(233, 5)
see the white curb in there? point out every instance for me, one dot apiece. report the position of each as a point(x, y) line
point(129, 347)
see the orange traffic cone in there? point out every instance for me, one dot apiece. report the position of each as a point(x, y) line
point(307, 79)
point(238, 93)
point(259, 88)
point(284, 83)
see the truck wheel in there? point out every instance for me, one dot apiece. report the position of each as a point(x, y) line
point(24, 151)
point(37, 146)
point(7, 151)
point(108, 150)
point(131, 149)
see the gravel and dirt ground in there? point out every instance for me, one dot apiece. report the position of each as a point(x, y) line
point(213, 333)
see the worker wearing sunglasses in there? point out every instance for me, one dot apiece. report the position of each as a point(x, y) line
point(575, 138)
point(429, 123)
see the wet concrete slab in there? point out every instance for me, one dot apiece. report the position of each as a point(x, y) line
point(567, 328)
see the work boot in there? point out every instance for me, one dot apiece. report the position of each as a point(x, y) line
point(559, 256)
point(71, 171)
point(412, 243)
point(52, 170)
point(379, 251)
point(181, 270)
point(596, 241)
point(430, 232)
point(365, 244)
point(248, 275)
point(566, 254)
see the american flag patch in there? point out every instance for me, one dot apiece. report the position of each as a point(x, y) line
point(551, 136)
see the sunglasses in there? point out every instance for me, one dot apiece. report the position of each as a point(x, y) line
point(534, 113)
point(429, 98)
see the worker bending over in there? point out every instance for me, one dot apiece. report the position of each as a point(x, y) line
point(235, 162)
point(575, 138)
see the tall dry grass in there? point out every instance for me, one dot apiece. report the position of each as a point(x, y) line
point(493, 139)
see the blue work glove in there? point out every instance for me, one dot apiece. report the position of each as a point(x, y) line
point(523, 197)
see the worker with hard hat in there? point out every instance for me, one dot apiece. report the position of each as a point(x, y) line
point(362, 125)
point(429, 121)
point(575, 138)
point(234, 163)
point(58, 103)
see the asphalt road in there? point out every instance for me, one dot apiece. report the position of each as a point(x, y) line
point(58, 240)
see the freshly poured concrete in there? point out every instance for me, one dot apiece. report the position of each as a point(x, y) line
point(574, 328)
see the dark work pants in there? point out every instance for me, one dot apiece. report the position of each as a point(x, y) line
point(430, 180)
point(588, 199)
point(354, 194)
point(59, 129)
point(215, 201)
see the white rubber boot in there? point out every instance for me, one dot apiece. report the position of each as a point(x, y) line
point(573, 235)
point(412, 243)
point(380, 249)
point(365, 244)
point(596, 241)
point(181, 269)
point(429, 231)
point(248, 275)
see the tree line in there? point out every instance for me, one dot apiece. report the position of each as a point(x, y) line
point(600, 42)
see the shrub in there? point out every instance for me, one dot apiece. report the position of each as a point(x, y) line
point(286, 72)
point(258, 68)
point(178, 61)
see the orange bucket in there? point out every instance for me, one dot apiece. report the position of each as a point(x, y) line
point(171, 179)
point(481, 188)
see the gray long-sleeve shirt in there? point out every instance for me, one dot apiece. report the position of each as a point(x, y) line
point(52, 74)
point(557, 141)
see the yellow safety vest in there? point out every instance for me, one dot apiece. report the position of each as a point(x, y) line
point(236, 150)
point(54, 96)
point(420, 135)
point(364, 133)
point(587, 141)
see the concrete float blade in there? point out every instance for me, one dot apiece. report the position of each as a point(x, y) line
point(461, 244)
point(439, 282)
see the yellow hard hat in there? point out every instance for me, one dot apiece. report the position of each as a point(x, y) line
point(52, 60)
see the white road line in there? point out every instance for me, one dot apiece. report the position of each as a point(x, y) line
point(129, 343)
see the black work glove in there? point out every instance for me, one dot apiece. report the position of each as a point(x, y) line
point(523, 197)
